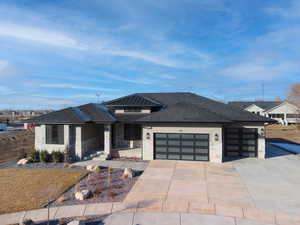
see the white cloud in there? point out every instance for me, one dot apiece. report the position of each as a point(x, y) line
point(7, 69)
point(173, 54)
point(260, 70)
point(43, 36)
point(78, 87)
point(290, 12)
point(129, 80)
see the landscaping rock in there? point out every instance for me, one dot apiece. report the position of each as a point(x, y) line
point(77, 222)
point(61, 199)
point(23, 161)
point(27, 222)
point(128, 173)
point(82, 195)
point(92, 168)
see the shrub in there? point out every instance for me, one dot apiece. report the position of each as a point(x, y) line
point(45, 156)
point(34, 156)
point(57, 156)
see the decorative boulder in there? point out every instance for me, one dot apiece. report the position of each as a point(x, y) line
point(23, 161)
point(82, 195)
point(128, 173)
point(92, 168)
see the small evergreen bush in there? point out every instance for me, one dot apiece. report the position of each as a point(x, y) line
point(34, 156)
point(45, 156)
point(57, 156)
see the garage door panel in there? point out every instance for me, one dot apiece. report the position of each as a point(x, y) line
point(181, 146)
point(241, 142)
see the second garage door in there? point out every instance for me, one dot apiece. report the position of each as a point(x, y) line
point(181, 146)
point(241, 142)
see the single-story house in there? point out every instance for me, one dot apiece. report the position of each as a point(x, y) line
point(170, 126)
point(284, 112)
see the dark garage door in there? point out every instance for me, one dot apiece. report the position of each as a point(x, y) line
point(241, 142)
point(181, 146)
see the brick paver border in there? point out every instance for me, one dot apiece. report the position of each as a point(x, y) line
point(259, 215)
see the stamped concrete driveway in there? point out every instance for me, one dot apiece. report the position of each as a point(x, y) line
point(182, 182)
point(272, 184)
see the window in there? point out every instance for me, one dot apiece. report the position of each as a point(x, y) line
point(277, 116)
point(55, 134)
point(293, 116)
point(132, 132)
point(132, 109)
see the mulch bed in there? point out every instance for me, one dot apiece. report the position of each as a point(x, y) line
point(103, 188)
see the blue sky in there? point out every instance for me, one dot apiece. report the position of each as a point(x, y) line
point(60, 53)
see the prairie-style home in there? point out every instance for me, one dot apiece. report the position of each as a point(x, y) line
point(151, 126)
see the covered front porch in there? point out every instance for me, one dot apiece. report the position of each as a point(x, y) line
point(103, 141)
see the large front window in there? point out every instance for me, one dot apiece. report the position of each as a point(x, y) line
point(55, 134)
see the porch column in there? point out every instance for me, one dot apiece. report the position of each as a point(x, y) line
point(107, 139)
point(78, 145)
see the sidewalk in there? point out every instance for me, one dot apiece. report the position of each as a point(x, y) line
point(188, 213)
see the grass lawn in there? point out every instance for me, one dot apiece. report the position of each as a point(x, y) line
point(29, 189)
point(290, 133)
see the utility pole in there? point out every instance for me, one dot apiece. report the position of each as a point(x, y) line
point(263, 91)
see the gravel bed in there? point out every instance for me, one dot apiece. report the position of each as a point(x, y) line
point(53, 166)
point(101, 187)
point(89, 220)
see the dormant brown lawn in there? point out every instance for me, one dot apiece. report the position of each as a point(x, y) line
point(29, 189)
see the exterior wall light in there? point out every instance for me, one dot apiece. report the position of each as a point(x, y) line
point(262, 131)
point(148, 135)
point(216, 137)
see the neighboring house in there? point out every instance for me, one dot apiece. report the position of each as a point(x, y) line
point(174, 126)
point(284, 112)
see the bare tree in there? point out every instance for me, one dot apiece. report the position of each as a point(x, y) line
point(48, 195)
point(294, 97)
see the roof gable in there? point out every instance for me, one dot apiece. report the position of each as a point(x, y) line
point(265, 105)
point(281, 105)
point(256, 107)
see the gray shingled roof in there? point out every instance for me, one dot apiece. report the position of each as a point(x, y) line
point(262, 104)
point(76, 115)
point(132, 100)
point(184, 112)
point(175, 107)
point(217, 108)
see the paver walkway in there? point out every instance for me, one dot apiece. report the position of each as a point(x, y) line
point(141, 166)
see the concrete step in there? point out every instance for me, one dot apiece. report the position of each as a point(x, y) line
point(101, 157)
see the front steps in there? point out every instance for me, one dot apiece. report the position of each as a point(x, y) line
point(99, 155)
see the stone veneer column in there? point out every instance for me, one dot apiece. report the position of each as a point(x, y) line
point(261, 144)
point(78, 146)
point(107, 139)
